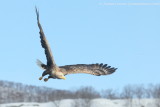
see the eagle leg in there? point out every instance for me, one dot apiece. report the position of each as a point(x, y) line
point(43, 74)
point(46, 79)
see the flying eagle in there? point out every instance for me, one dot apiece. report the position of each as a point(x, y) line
point(59, 72)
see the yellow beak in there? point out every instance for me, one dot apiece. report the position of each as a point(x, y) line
point(63, 78)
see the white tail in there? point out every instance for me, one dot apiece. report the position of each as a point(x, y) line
point(40, 64)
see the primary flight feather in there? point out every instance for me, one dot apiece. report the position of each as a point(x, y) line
point(59, 72)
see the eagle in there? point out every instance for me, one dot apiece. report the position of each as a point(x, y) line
point(59, 72)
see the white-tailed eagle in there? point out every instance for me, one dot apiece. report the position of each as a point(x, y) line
point(59, 72)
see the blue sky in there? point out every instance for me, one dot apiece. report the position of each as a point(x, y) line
point(81, 32)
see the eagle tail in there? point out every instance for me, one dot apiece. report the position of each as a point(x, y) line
point(41, 65)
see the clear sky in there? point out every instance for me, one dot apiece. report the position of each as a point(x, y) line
point(81, 32)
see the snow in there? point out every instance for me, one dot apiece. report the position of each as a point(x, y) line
point(93, 103)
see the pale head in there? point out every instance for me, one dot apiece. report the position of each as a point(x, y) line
point(60, 75)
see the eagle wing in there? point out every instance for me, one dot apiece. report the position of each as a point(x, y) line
point(94, 69)
point(44, 43)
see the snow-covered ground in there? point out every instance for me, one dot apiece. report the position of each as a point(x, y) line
point(92, 103)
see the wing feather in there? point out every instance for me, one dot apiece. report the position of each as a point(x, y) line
point(94, 69)
point(44, 43)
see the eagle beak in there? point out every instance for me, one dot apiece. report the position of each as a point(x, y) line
point(63, 78)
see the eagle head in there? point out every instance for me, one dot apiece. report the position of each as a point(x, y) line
point(60, 75)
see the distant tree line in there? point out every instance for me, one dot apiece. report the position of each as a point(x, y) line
point(11, 92)
point(16, 92)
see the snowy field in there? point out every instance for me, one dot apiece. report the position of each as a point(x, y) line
point(92, 103)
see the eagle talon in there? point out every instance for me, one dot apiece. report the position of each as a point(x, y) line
point(40, 78)
point(46, 79)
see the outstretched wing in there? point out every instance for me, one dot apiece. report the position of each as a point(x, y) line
point(44, 43)
point(94, 69)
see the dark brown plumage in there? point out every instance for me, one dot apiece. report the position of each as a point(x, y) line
point(94, 69)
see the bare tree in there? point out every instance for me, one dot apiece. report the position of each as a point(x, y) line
point(156, 94)
point(84, 95)
point(87, 92)
point(139, 92)
point(110, 94)
point(128, 95)
point(148, 91)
